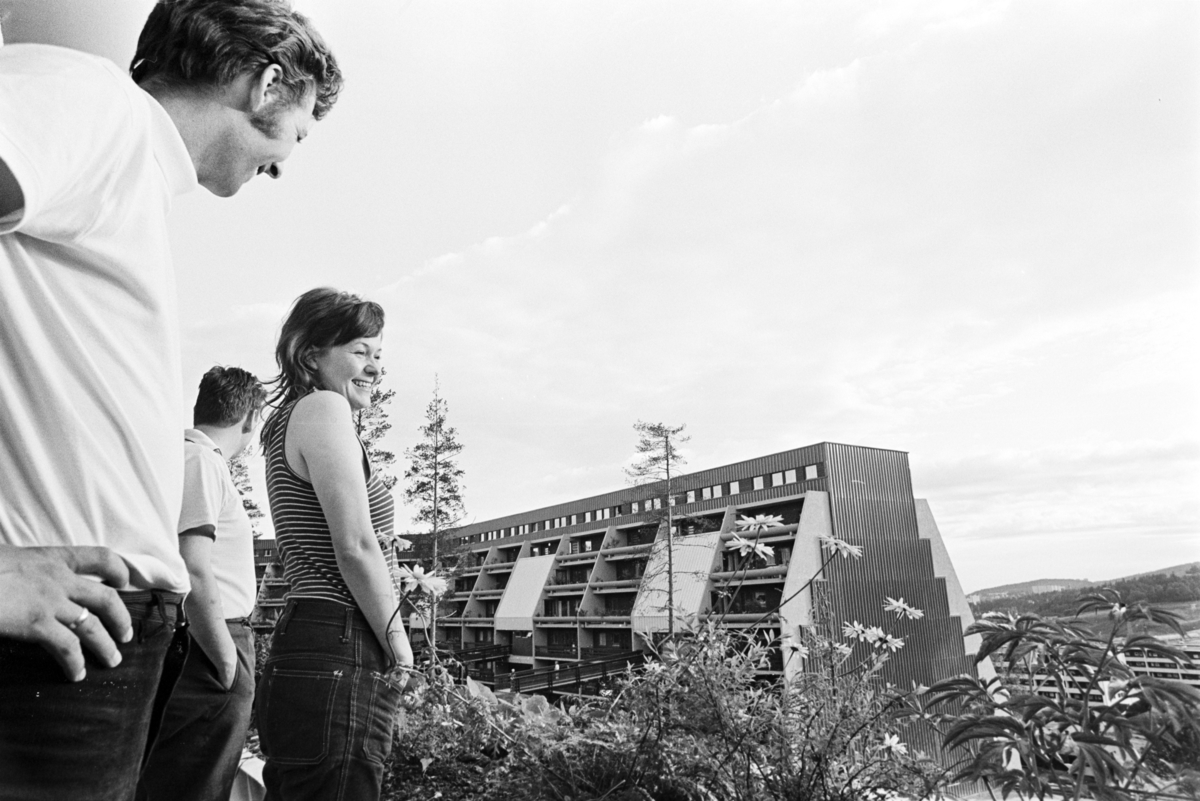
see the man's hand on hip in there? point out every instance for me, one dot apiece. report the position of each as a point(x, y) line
point(48, 599)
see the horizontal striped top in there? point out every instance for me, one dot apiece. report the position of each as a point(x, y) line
point(301, 530)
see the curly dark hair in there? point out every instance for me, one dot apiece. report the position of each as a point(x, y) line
point(320, 318)
point(212, 42)
point(228, 395)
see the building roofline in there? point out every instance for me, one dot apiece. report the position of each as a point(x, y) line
point(686, 481)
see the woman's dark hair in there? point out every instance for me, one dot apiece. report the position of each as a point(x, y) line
point(320, 318)
point(209, 43)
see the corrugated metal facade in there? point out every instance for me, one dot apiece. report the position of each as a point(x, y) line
point(872, 505)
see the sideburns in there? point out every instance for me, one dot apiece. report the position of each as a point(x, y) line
point(268, 121)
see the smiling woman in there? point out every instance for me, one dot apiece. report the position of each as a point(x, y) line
point(325, 708)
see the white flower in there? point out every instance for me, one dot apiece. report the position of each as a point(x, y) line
point(744, 546)
point(842, 648)
point(416, 577)
point(759, 523)
point(893, 644)
point(834, 545)
point(800, 649)
point(854, 631)
point(891, 743)
point(902, 609)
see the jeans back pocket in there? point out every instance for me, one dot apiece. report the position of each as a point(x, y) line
point(295, 714)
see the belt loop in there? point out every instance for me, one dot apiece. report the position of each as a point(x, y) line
point(281, 625)
point(349, 625)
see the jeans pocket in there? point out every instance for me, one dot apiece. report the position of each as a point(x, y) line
point(296, 714)
point(384, 703)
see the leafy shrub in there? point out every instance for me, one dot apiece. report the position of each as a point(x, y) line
point(1068, 718)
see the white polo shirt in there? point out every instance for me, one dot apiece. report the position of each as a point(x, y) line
point(90, 384)
point(212, 507)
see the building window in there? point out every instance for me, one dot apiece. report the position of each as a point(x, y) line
point(691, 496)
point(634, 506)
point(574, 519)
point(587, 517)
point(658, 503)
point(777, 479)
point(734, 488)
point(717, 491)
point(810, 472)
point(758, 482)
point(706, 493)
point(789, 477)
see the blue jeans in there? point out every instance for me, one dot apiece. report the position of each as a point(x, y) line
point(86, 741)
point(196, 754)
point(325, 708)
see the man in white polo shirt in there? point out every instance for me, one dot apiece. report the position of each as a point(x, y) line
point(195, 756)
point(90, 402)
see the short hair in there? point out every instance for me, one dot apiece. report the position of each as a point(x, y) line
point(228, 395)
point(320, 318)
point(209, 43)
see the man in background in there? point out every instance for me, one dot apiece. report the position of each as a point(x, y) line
point(195, 756)
point(90, 455)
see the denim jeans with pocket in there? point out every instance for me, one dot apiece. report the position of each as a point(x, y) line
point(199, 746)
point(86, 740)
point(325, 706)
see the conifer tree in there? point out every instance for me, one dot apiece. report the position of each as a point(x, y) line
point(658, 447)
point(239, 470)
point(433, 476)
point(372, 424)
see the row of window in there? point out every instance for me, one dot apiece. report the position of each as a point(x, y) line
point(753, 484)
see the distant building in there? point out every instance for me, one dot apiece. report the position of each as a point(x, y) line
point(1140, 663)
point(580, 581)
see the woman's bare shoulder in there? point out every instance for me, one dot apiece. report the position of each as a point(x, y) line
point(322, 414)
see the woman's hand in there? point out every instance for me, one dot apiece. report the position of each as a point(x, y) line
point(401, 648)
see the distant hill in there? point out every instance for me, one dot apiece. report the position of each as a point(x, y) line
point(1179, 584)
point(1026, 588)
point(1054, 585)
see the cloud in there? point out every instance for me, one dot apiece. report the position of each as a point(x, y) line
point(963, 230)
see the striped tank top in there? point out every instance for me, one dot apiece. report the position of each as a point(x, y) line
point(301, 531)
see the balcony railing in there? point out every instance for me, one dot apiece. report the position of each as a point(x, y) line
point(568, 677)
point(552, 651)
point(632, 549)
point(612, 584)
point(603, 651)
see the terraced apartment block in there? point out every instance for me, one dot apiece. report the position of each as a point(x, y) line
point(583, 581)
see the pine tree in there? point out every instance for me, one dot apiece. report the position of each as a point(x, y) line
point(433, 475)
point(239, 470)
point(371, 424)
point(658, 446)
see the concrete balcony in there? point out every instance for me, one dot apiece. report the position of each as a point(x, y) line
point(616, 585)
point(566, 589)
point(578, 556)
point(627, 551)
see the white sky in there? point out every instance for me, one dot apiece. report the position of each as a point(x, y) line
point(966, 230)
